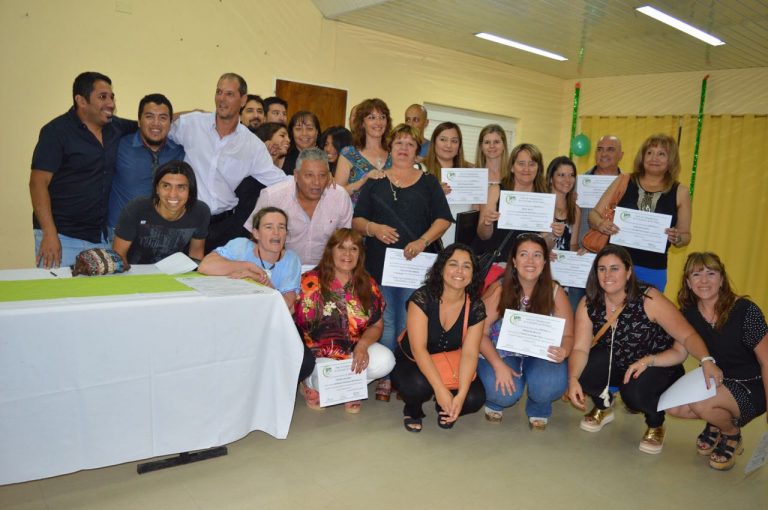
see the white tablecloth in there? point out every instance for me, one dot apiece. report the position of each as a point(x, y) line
point(96, 382)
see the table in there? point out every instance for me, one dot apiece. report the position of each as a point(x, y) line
point(94, 381)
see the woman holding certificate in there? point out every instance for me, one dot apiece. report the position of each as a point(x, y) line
point(736, 334)
point(628, 335)
point(438, 354)
point(406, 210)
point(446, 150)
point(527, 286)
point(339, 313)
point(368, 156)
point(653, 187)
point(526, 173)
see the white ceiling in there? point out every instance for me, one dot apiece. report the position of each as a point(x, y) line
point(599, 37)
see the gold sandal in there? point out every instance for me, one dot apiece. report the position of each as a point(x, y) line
point(596, 419)
point(653, 440)
point(493, 416)
point(537, 424)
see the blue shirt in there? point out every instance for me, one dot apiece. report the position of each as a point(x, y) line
point(134, 171)
point(424, 149)
point(82, 169)
point(285, 276)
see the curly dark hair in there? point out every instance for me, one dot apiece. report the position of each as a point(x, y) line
point(433, 281)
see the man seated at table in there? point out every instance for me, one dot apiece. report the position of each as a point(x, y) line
point(171, 220)
point(314, 209)
point(140, 154)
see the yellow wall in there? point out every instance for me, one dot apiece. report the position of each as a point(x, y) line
point(181, 47)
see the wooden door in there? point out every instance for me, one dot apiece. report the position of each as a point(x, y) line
point(329, 104)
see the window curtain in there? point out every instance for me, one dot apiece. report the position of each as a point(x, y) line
point(730, 200)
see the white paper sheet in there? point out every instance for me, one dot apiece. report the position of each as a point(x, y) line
point(214, 286)
point(590, 188)
point(403, 273)
point(759, 456)
point(686, 390)
point(468, 185)
point(572, 269)
point(522, 210)
point(176, 263)
point(640, 229)
point(530, 333)
point(337, 383)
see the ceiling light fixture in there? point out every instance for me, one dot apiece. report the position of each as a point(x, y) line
point(519, 46)
point(680, 25)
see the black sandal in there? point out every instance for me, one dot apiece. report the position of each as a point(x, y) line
point(726, 451)
point(411, 424)
point(708, 439)
point(443, 424)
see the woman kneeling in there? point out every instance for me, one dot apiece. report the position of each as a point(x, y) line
point(438, 354)
point(339, 314)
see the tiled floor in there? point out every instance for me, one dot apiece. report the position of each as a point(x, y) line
point(332, 460)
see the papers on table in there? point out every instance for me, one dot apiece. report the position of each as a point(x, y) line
point(337, 383)
point(530, 333)
point(468, 185)
point(176, 263)
point(35, 273)
point(642, 230)
point(572, 269)
point(214, 286)
point(759, 457)
point(406, 274)
point(590, 188)
point(523, 210)
point(686, 390)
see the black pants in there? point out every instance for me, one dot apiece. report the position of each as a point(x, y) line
point(227, 226)
point(641, 394)
point(307, 363)
point(415, 389)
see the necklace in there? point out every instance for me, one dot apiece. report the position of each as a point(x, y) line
point(524, 302)
point(266, 269)
point(711, 322)
point(394, 193)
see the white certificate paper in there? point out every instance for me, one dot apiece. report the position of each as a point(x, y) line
point(523, 210)
point(337, 383)
point(589, 189)
point(642, 230)
point(216, 286)
point(759, 456)
point(686, 390)
point(572, 269)
point(176, 263)
point(530, 333)
point(403, 273)
point(468, 185)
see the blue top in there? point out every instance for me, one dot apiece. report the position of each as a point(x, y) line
point(134, 171)
point(285, 275)
point(82, 169)
point(424, 149)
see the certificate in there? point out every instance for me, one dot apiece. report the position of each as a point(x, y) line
point(403, 273)
point(572, 269)
point(468, 185)
point(642, 230)
point(530, 333)
point(590, 188)
point(337, 383)
point(523, 210)
point(688, 389)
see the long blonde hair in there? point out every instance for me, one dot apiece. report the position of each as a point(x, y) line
point(539, 182)
point(480, 161)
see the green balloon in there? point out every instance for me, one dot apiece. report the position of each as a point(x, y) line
point(580, 145)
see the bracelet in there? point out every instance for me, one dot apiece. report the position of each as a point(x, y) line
point(426, 243)
point(707, 358)
point(653, 361)
point(367, 232)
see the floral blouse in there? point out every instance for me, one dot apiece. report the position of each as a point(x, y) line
point(331, 327)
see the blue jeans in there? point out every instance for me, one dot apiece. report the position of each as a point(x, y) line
point(547, 381)
point(656, 277)
point(574, 296)
point(394, 314)
point(70, 247)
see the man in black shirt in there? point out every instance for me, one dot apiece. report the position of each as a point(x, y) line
point(72, 169)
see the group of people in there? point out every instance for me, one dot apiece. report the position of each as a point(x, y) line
point(313, 213)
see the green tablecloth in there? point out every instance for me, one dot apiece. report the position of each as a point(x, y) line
point(93, 286)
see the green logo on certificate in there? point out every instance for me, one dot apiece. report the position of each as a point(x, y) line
point(560, 257)
point(451, 175)
point(515, 319)
point(625, 215)
point(511, 199)
point(327, 371)
point(587, 181)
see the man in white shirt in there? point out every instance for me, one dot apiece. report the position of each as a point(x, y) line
point(223, 152)
point(315, 210)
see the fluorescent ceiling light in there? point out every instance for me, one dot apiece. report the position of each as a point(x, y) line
point(519, 46)
point(680, 25)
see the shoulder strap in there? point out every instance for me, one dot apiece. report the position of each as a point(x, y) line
point(607, 324)
point(466, 319)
